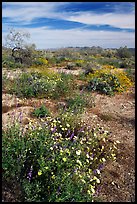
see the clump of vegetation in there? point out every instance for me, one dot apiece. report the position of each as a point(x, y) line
point(8, 62)
point(124, 52)
point(108, 82)
point(130, 73)
point(41, 112)
point(36, 85)
point(80, 62)
point(44, 71)
point(20, 51)
point(89, 67)
point(79, 102)
point(71, 66)
point(56, 160)
point(40, 62)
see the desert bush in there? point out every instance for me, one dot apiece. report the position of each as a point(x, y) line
point(89, 67)
point(108, 61)
point(41, 112)
point(130, 73)
point(45, 72)
point(56, 160)
point(71, 66)
point(79, 62)
point(60, 59)
point(64, 86)
point(79, 102)
point(108, 82)
point(52, 61)
point(123, 52)
point(40, 61)
point(37, 85)
point(8, 62)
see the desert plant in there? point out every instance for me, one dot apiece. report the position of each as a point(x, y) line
point(58, 159)
point(79, 102)
point(42, 111)
point(36, 84)
point(71, 66)
point(108, 82)
point(40, 61)
point(21, 52)
point(123, 52)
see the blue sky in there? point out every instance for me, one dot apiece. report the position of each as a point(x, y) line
point(65, 24)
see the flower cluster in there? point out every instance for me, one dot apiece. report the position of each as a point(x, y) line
point(40, 61)
point(36, 84)
point(108, 67)
point(108, 81)
point(59, 151)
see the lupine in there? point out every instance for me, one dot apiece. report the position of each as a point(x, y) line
point(54, 129)
point(29, 176)
point(72, 135)
point(100, 166)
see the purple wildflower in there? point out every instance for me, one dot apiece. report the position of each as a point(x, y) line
point(95, 171)
point(81, 129)
point(68, 133)
point(92, 155)
point(100, 166)
point(72, 135)
point(29, 176)
point(54, 129)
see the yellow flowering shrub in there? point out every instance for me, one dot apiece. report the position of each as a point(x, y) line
point(108, 67)
point(108, 80)
point(43, 61)
point(79, 61)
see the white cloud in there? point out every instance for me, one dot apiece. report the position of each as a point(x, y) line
point(47, 38)
point(28, 11)
point(112, 19)
point(44, 37)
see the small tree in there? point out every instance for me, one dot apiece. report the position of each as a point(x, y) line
point(16, 38)
point(17, 41)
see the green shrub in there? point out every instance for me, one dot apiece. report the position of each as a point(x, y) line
point(79, 102)
point(108, 81)
point(124, 52)
point(71, 66)
point(11, 64)
point(41, 112)
point(40, 62)
point(107, 84)
point(64, 86)
point(130, 73)
point(55, 161)
point(38, 85)
point(82, 76)
point(108, 61)
point(52, 61)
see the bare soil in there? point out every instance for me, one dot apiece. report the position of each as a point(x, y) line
point(116, 114)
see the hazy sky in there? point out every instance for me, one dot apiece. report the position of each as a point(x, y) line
point(64, 24)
